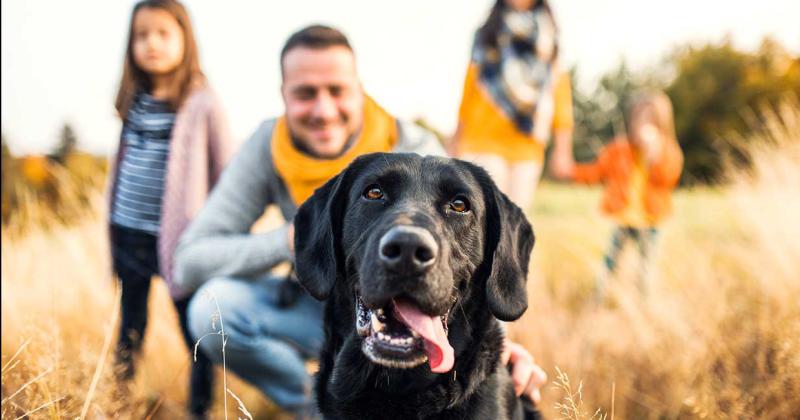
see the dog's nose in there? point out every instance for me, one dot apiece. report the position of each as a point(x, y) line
point(408, 249)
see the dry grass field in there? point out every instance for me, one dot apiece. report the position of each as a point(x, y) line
point(718, 337)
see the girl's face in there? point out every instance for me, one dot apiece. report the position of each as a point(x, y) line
point(520, 5)
point(644, 130)
point(157, 41)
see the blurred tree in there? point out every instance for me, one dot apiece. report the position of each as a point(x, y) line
point(42, 190)
point(600, 113)
point(714, 88)
point(6, 153)
point(67, 143)
point(7, 179)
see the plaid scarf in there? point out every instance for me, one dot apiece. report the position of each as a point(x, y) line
point(518, 72)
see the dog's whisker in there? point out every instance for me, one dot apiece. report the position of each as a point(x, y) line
point(461, 306)
point(463, 312)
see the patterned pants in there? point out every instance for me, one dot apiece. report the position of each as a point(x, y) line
point(645, 240)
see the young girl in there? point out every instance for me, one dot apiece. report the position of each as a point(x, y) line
point(173, 146)
point(639, 173)
point(514, 94)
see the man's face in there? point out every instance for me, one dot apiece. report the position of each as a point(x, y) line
point(323, 98)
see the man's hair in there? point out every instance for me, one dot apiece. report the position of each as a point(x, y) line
point(315, 37)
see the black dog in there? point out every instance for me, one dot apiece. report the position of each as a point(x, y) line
point(416, 257)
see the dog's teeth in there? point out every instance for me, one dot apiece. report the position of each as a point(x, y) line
point(377, 325)
point(414, 334)
point(381, 336)
point(379, 311)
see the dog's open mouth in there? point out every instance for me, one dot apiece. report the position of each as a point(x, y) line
point(401, 336)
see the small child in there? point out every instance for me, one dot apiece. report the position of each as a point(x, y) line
point(639, 173)
point(174, 143)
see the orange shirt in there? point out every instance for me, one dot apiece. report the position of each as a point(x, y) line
point(616, 168)
point(486, 129)
point(634, 214)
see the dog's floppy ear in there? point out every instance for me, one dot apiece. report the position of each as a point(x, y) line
point(509, 242)
point(317, 236)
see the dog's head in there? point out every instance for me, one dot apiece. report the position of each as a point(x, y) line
point(398, 240)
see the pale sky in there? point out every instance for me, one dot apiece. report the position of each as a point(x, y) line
point(61, 60)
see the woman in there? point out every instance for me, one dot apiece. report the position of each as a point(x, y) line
point(514, 95)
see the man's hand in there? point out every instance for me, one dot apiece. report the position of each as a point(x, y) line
point(527, 376)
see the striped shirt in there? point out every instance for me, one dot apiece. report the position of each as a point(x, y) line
point(140, 185)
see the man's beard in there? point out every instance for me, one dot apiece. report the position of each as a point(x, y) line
point(302, 145)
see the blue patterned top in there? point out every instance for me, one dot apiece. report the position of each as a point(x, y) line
point(146, 135)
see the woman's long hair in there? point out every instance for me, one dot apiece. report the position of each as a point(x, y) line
point(184, 79)
point(487, 34)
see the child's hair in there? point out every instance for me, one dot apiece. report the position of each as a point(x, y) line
point(661, 108)
point(186, 77)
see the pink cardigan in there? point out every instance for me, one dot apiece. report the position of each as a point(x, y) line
point(200, 147)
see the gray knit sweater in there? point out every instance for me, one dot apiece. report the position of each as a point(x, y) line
point(218, 243)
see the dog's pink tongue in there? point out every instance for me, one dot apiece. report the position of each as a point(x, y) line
point(440, 353)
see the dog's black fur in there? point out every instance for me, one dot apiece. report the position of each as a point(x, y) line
point(478, 275)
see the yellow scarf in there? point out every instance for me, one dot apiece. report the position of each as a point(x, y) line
point(303, 174)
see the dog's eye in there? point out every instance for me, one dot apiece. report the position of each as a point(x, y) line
point(459, 205)
point(373, 192)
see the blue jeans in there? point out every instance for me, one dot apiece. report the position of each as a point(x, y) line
point(267, 345)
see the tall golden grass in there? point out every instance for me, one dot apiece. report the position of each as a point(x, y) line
point(39, 192)
point(719, 336)
point(58, 308)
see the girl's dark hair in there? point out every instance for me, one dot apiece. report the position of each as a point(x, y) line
point(487, 34)
point(185, 78)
